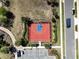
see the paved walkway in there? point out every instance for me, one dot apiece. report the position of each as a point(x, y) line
point(9, 33)
point(61, 31)
point(78, 23)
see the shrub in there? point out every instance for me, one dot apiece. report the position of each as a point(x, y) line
point(4, 50)
point(6, 17)
point(24, 42)
point(34, 45)
point(18, 42)
point(3, 11)
point(54, 20)
point(25, 30)
point(47, 46)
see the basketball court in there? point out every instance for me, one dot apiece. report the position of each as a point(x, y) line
point(39, 32)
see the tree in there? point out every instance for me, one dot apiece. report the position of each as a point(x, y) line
point(3, 11)
point(53, 4)
point(6, 17)
point(48, 2)
point(12, 49)
point(7, 3)
point(3, 18)
point(9, 15)
point(57, 16)
point(4, 43)
point(26, 20)
point(53, 20)
point(24, 41)
point(55, 13)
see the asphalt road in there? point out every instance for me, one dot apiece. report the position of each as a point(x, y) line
point(70, 41)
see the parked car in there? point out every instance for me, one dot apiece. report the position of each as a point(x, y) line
point(68, 22)
point(73, 11)
point(19, 53)
point(22, 52)
point(12, 49)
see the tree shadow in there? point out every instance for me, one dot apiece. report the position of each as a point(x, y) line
point(53, 3)
point(7, 3)
point(27, 20)
point(10, 15)
point(10, 19)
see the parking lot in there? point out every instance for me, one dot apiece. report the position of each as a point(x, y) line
point(36, 53)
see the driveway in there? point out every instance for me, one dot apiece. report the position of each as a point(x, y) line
point(36, 53)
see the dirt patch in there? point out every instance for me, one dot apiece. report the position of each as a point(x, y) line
point(32, 8)
point(28, 8)
point(6, 56)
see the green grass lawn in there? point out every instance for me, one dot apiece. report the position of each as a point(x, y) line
point(77, 56)
point(58, 32)
point(75, 9)
point(58, 28)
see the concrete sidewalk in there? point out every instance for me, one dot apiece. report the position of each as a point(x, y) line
point(9, 33)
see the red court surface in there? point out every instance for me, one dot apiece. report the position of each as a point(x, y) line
point(42, 35)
